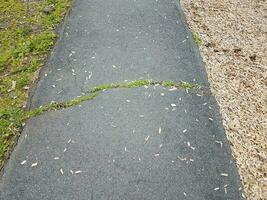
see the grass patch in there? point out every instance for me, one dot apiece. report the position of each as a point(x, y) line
point(196, 38)
point(27, 36)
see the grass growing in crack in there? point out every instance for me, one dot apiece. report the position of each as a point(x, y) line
point(104, 87)
point(139, 83)
point(143, 82)
point(196, 38)
point(132, 84)
point(11, 120)
point(187, 85)
point(168, 83)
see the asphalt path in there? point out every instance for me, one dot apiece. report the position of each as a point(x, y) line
point(133, 143)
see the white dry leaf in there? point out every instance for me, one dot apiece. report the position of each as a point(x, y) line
point(69, 141)
point(217, 188)
point(78, 172)
point(225, 188)
point(173, 89)
point(182, 159)
point(141, 116)
point(159, 130)
point(162, 94)
point(184, 194)
point(90, 75)
point(219, 142)
point(146, 139)
point(61, 171)
point(173, 105)
point(34, 164)
point(71, 172)
point(23, 162)
point(184, 130)
point(113, 125)
point(210, 119)
point(125, 149)
point(127, 100)
point(56, 158)
point(193, 148)
point(145, 86)
point(114, 66)
point(65, 150)
point(53, 86)
point(224, 174)
point(60, 92)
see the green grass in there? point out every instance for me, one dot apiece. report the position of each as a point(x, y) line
point(27, 35)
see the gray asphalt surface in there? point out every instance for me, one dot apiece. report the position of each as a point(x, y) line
point(135, 143)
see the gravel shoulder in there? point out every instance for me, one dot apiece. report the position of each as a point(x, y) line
point(233, 34)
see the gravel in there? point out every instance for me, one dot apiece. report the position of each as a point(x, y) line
point(233, 37)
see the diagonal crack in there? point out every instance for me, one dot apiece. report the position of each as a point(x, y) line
point(92, 93)
point(15, 119)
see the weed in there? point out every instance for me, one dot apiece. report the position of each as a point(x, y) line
point(196, 38)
